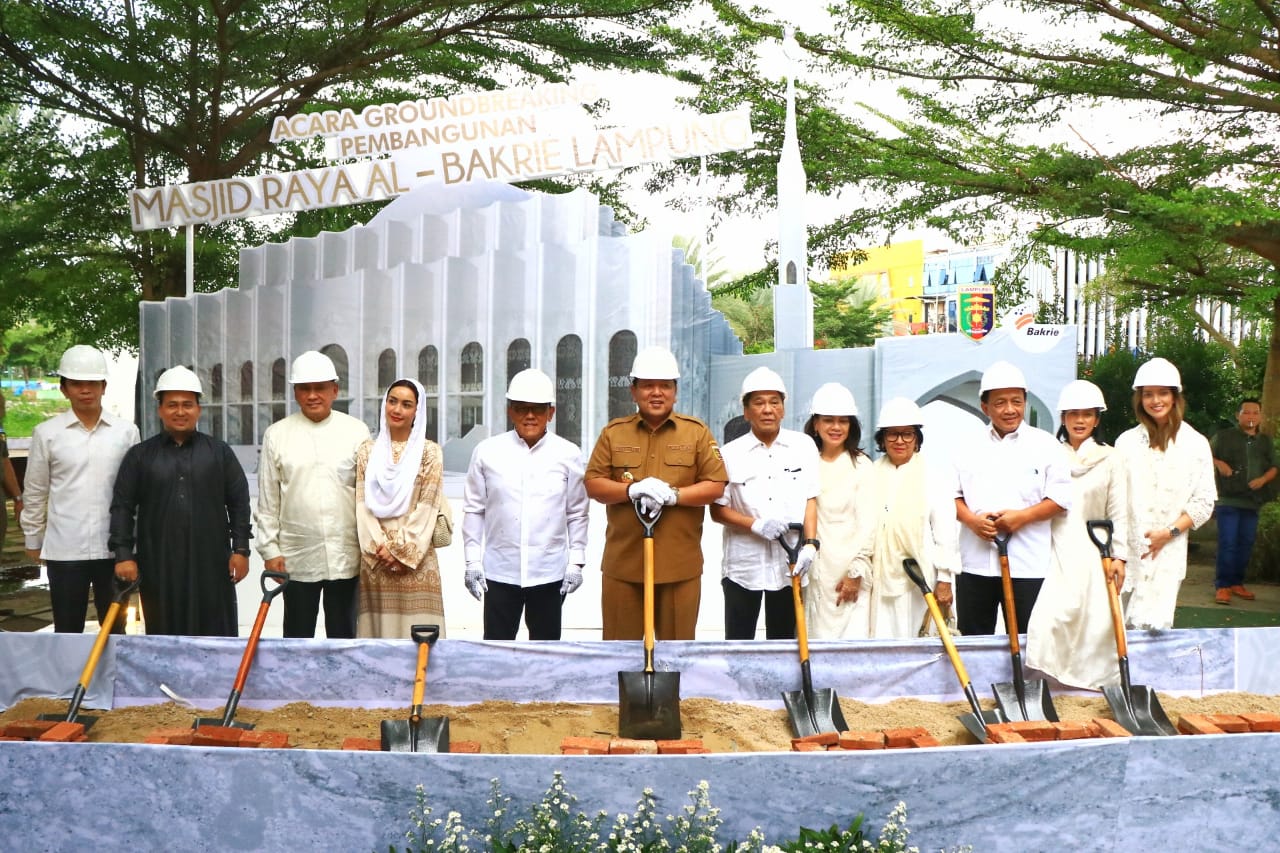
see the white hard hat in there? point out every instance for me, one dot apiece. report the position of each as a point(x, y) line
point(833, 399)
point(83, 362)
point(531, 386)
point(1002, 374)
point(1158, 371)
point(177, 379)
point(312, 366)
point(1081, 394)
point(655, 363)
point(900, 412)
point(763, 379)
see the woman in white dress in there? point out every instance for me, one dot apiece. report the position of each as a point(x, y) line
point(835, 603)
point(1171, 491)
point(1070, 635)
point(914, 518)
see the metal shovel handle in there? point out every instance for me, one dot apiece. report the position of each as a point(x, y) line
point(281, 581)
point(1002, 543)
point(648, 523)
point(794, 532)
point(1100, 531)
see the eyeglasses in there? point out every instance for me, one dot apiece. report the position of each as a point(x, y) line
point(909, 435)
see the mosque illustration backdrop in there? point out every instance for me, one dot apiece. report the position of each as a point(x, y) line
point(463, 287)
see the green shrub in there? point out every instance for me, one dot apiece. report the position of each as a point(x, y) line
point(1264, 563)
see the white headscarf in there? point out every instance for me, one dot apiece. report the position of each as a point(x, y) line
point(388, 485)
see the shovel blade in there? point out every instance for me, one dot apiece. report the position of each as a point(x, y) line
point(429, 734)
point(820, 716)
point(86, 720)
point(217, 721)
point(1036, 704)
point(649, 705)
point(977, 726)
point(1139, 711)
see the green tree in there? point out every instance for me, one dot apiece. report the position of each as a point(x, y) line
point(845, 315)
point(111, 97)
point(33, 348)
point(750, 315)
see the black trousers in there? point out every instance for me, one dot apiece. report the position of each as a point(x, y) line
point(504, 602)
point(742, 612)
point(69, 585)
point(978, 597)
point(302, 606)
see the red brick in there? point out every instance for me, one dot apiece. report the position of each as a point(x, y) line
point(698, 750)
point(28, 729)
point(1003, 733)
point(1074, 730)
point(902, 737)
point(801, 745)
point(570, 750)
point(862, 740)
point(363, 744)
point(64, 733)
point(174, 736)
point(1233, 723)
point(678, 747)
point(6, 737)
point(468, 747)
point(593, 745)
point(632, 746)
point(1034, 730)
point(1109, 728)
point(217, 736)
point(1262, 722)
point(267, 740)
point(821, 739)
point(925, 740)
point(1197, 724)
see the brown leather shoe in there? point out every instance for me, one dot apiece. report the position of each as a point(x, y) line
point(1240, 592)
point(1222, 596)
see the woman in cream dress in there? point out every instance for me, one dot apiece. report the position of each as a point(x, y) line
point(1171, 491)
point(835, 600)
point(1070, 635)
point(399, 486)
point(914, 518)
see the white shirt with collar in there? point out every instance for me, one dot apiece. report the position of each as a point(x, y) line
point(525, 509)
point(774, 481)
point(306, 509)
point(1015, 471)
point(71, 471)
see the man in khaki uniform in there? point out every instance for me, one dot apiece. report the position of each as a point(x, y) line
point(661, 459)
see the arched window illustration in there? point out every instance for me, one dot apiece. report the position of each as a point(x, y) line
point(472, 386)
point(622, 352)
point(340, 363)
point(519, 357)
point(429, 376)
point(569, 389)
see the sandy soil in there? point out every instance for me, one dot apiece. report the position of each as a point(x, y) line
point(537, 728)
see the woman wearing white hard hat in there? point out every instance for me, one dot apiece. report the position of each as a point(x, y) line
point(1171, 491)
point(1069, 635)
point(399, 492)
point(836, 603)
point(915, 518)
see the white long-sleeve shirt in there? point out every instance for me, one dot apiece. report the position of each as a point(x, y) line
point(525, 509)
point(1014, 472)
point(307, 496)
point(71, 471)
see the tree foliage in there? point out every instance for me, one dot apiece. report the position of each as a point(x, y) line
point(101, 98)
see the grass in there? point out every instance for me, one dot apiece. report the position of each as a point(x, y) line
point(22, 416)
point(1222, 617)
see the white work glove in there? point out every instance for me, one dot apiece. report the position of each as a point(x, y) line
point(572, 580)
point(769, 528)
point(475, 581)
point(658, 492)
point(804, 560)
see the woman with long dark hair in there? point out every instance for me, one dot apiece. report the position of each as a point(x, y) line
point(1171, 491)
point(835, 606)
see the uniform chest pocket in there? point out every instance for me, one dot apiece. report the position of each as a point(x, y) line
point(623, 461)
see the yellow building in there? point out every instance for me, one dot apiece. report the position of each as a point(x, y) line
point(895, 273)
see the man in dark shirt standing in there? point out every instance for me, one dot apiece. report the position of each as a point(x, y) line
point(1244, 464)
point(190, 500)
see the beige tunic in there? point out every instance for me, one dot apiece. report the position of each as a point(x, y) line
point(845, 519)
point(392, 602)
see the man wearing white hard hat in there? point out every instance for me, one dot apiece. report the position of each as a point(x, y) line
point(71, 470)
point(773, 483)
point(1013, 481)
point(180, 519)
point(524, 528)
point(1171, 492)
point(306, 513)
point(664, 461)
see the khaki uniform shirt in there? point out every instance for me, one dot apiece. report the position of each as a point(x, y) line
point(681, 452)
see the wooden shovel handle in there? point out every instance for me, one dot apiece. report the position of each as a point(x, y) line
point(802, 630)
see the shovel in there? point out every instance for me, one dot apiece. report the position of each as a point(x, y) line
point(649, 701)
point(811, 711)
point(123, 591)
point(1021, 700)
point(250, 649)
point(977, 721)
point(418, 733)
point(1135, 707)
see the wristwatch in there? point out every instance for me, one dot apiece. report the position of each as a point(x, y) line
point(1175, 531)
point(817, 546)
